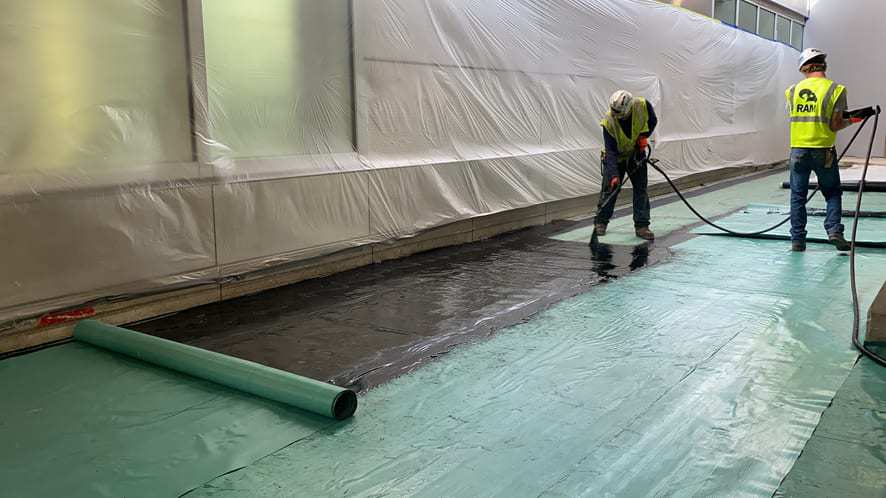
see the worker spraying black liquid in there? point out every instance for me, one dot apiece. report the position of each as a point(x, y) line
point(817, 105)
point(626, 130)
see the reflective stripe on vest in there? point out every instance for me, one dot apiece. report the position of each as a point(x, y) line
point(812, 103)
point(639, 125)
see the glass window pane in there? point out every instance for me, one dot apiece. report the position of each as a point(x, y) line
point(724, 10)
point(797, 36)
point(92, 83)
point(747, 16)
point(767, 24)
point(783, 30)
point(278, 76)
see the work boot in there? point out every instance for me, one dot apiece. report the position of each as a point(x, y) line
point(644, 233)
point(600, 228)
point(798, 245)
point(839, 242)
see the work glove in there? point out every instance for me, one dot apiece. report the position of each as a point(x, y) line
point(642, 148)
point(613, 183)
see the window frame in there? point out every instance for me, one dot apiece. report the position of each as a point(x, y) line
point(756, 31)
point(802, 35)
point(714, 12)
point(760, 18)
point(738, 9)
point(778, 31)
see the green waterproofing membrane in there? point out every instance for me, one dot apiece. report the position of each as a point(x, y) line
point(285, 387)
point(846, 456)
point(703, 376)
point(79, 421)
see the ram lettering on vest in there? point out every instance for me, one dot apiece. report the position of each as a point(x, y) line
point(806, 107)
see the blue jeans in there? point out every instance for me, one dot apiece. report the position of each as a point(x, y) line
point(824, 163)
point(639, 176)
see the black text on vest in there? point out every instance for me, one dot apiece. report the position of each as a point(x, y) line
point(806, 107)
point(810, 98)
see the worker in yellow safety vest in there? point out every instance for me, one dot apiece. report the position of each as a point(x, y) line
point(626, 130)
point(817, 105)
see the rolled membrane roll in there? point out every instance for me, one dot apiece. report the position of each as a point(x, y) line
point(284, 387)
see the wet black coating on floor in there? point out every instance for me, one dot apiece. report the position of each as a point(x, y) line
point(363, 327)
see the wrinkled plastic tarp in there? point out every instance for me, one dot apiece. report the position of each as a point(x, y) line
point(301, 147)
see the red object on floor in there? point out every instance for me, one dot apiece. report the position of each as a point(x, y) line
point(66, 316)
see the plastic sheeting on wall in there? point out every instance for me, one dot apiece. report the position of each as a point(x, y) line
point(444, 111)
point(849, 57)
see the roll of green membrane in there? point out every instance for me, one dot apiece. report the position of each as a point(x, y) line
point(284, 387)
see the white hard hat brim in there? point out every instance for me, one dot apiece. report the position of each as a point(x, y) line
point(810, 54)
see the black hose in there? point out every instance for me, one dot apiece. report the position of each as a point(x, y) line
point(846, 213)
point(849, 214)
point(856, 307)
point(654, 164)
point(848, 186)
point(770, 236)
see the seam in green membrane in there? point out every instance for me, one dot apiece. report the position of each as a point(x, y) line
point(846, 455)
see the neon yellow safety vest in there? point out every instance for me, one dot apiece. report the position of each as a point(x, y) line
point(639, 125)
point(812, 103)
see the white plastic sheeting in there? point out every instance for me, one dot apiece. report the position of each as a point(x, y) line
point(446, 110)
point(852, 34)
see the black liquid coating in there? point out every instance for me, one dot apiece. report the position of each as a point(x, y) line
point(365, 326)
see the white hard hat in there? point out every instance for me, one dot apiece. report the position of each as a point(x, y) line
point(621, 103)
point(809, 54)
